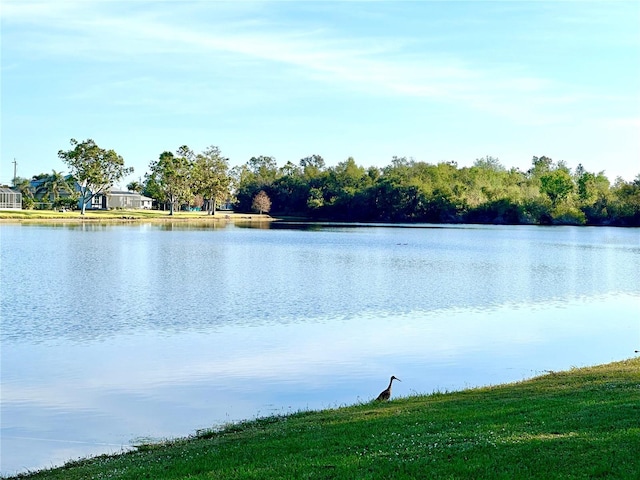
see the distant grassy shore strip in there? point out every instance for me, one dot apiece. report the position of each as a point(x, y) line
point(127, 216)
point(583, 423)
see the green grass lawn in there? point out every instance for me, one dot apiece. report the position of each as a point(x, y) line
point(584, 423)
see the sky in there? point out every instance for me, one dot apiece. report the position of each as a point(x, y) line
point(432, 81)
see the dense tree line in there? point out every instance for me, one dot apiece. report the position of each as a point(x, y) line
point(404, 191)
point(187, 179)
point(412, 191)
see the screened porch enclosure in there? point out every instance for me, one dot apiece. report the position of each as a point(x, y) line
point(10, 200)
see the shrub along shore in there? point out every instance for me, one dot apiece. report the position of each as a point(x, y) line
point(582, 423)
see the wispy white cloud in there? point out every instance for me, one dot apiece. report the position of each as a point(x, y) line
point(373, 65)
point(325, 67)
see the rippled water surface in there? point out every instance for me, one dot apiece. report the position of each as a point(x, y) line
point(112, 334)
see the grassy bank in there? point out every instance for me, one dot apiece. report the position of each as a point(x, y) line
point(584, 423)
point(124, 216)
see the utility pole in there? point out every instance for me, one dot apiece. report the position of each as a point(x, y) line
point(15, 164)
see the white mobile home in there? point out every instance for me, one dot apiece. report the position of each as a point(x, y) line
point(126, 199)
point(118, 199)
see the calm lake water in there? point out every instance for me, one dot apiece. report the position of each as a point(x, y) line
point(112, 334)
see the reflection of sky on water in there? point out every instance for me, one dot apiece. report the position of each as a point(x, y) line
point(118, 280)
point(106, 394)
point(186, 329)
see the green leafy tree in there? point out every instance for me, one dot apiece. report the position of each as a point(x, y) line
point(412, 191)
point(40, 176)
point(593, 195)
point(170, 177)
point(53, 187)
point(557, 185)
point(242, 187)
point(259, 173)
point(290, 170)
point(591, 187)
point(94, 169)
point(345, 190)
point(135, 187)
point(489, 163)
point(23, 185)
point(264, 168)
point(211, 177)
point(540, 166)
point(315, 201)
point(312, 166)
point(290, 191)
point(626, 202)
point(151, 189)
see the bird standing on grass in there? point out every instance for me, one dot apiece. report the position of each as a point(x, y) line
point(386, 394)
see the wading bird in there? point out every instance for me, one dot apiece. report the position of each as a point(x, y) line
point(386, 394)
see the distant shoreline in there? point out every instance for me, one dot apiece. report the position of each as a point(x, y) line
point(163, 216)
point(127, 216)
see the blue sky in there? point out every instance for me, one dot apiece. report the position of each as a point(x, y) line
point(435, 81)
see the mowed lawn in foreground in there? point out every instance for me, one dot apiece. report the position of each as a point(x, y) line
point(583, 423)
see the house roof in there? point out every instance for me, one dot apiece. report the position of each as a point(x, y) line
point(128, 193)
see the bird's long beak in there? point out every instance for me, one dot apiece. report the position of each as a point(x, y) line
point(398, 379)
